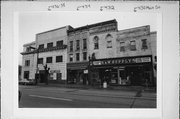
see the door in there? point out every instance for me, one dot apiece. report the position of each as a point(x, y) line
point(121, 76)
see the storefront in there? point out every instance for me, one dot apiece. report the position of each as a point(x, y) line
point(123, 71)
point(77, 73)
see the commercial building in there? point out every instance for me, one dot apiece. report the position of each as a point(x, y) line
point(133, 61)
point(85, 43)
point(28, 61)
point(93, 54)
point(49, 50)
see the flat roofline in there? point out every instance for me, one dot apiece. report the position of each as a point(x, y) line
point(31, 43)
point(93, 25)
point(134, 28)
point(54, 29)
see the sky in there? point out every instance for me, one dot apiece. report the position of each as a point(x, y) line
point(31, 23)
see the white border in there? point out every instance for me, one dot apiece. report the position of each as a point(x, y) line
point(9, 81)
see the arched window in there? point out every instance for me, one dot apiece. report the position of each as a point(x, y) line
point(109, 41)
point(96, 42)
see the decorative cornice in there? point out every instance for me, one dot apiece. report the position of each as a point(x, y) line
point(46, 50)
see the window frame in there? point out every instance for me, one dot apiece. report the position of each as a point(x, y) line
point(41, 46)
point(71, 46)
point(84, 44)
point(50, 45)
point(122, 47)
point(77, 45)
point(77, 56)
point(59, 59)
point(133, 46)
point(84, 58)
point(144, 44)
point(39, 59)
point(71, 57)
point(27, 63)
point(96, 42)
point(48, 58)
point(109, 40)
point(59, 43)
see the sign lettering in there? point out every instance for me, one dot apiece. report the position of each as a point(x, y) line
point(123, 61)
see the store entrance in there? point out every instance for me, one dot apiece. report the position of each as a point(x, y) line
point(135, 74)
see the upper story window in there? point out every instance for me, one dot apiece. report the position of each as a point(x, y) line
point(133, 45)
point(144, 44)
point(49, 60)
point(122, 46)
point(84, 44)
point(84, 55)
point(27, 62)
point(59, 43)
point(59, 58)
point(41, 46)
point(40, 60)
point(77, 44)
point(71, 57)
point(77, 57)
point(109, 41)
point(96, 42)
point(50, 45)
point(71, 46)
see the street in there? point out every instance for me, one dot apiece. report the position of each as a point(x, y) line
point(56, 97)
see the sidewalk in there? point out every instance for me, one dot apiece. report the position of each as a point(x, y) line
point(115, 88)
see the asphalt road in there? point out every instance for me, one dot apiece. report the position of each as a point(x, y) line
point(55, 97)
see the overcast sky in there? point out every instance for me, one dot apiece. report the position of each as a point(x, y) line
point(37, 22)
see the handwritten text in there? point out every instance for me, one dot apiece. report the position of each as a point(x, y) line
point(84, 7)
point(140, 8)
point(56, 6)
point(107, 8)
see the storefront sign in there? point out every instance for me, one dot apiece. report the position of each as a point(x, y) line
point(54, 71)
point(123, 61)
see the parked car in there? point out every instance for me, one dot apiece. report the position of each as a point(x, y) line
point(27, 82)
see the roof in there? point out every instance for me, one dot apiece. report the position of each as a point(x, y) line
point(28, 44)
point(68, 26)
point(92, 25)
